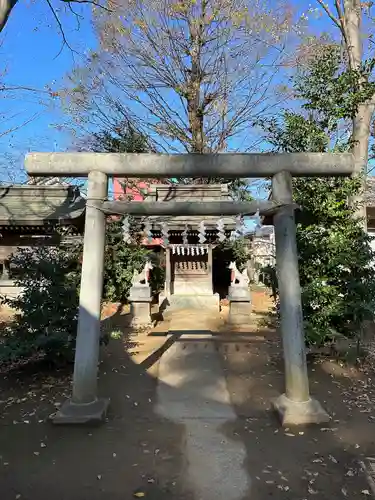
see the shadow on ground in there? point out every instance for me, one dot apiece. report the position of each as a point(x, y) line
point(137, 451)
point(304, 462)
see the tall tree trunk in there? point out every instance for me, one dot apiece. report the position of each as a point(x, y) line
point(351, 26)
point(194, 98)
point(194, 106)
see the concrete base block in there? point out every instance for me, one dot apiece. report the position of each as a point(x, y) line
point(238, 293)
point(140, 314)
point(81, 414)
point(139, 293)
point(239, 313)
point(299, 413)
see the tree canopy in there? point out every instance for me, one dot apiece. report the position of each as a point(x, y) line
point(335, 256)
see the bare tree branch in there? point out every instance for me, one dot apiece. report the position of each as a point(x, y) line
point(193, 75)
point(92, 2)
point(17, 127)
point(329, 13)
point(6, 7)
point(15, 88)
point(61, 29)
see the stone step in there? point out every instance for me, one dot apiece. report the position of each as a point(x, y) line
point(193, 301)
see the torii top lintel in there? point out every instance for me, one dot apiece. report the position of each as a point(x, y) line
point(227, 165)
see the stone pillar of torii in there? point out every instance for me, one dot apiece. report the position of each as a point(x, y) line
point(295, 406)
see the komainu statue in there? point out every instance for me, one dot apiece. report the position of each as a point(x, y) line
point(237, 278)
point(143, 277)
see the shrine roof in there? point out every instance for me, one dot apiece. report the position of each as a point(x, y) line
point(25, 205)
point(190, 192)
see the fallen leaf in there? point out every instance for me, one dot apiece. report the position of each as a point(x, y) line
point(36, 453)
point(99, 477)
point(139, 494)
point(365, 492)
point(311, 490)
point(43, 445)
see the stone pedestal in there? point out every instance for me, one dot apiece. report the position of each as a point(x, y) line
point(239, 305)
point(299, 412)
point(140, 306)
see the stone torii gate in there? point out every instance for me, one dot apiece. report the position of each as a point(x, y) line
point(295, 406)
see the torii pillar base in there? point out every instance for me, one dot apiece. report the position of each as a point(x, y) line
point(81, 414)
point(293, 413)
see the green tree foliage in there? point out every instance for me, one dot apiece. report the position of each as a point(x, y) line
point(121, 137)
point(234, 251)
point(47, 310)
point(335, 257)
point(120, 261)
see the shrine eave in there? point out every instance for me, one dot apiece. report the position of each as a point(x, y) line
point(40, 206)
point(191, 223)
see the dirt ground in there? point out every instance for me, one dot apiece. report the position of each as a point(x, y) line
point(139, 454)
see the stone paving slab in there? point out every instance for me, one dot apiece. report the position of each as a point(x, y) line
point(192, 391)
point(195, 321)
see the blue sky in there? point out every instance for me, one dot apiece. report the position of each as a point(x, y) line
point(30, 44)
